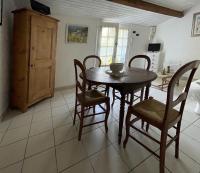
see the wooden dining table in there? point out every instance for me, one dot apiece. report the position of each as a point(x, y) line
point(132, 79)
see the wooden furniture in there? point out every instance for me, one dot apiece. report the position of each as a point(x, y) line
point(162, 116)
point(33, 64)
point(165, 79)
point(147, 67)
point(95, 61)
point(91, 61)
point(133, 79)
point(162, 81)
point(148, 6)
point(155, 61)
point(87, 99)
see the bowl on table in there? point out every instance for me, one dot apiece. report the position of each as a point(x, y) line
point(116, 68)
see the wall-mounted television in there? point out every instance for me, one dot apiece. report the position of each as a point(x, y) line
point(154, 47)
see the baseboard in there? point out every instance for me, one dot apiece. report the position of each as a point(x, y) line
point(65, 87)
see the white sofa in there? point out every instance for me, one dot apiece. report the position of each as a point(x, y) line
point(194, 94)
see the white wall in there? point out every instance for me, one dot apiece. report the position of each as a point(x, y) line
point(66, 52)
point(5, 54)
point(138, 44)
point(178, 45)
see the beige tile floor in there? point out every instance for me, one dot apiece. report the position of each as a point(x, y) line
point(43, 140)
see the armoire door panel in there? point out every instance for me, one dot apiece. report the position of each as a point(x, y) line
point(41, 73)
point(44, 43)
point(40, 83)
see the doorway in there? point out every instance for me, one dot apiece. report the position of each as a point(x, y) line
point(112, 44)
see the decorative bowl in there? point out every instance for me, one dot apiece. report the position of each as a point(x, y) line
point(116, 67)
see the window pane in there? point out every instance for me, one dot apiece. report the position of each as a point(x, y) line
point(111, 41)
point(123, 52)
point(120, 42)
point(122, 45)
point(107, 60)
point(104, 41)
point(125, 34)
point(119, 50)
point(107, 44)
point(104, 31)
point(125, 42)
point(120, 33)
point(112, 32)
point(110, 51)
point(103, 51)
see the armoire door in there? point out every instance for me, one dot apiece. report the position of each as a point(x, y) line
point(42, 61)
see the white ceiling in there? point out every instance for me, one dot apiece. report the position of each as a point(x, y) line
point(112, 12)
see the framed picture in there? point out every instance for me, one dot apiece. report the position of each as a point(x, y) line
point(1, 11)
point(77, 34)
point(196, 25)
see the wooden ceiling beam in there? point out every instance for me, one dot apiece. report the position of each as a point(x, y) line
point(150, 7)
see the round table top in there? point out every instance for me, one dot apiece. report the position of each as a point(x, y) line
point(131, 76)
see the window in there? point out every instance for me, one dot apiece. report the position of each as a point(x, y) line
point(113, 44)
point(107, 44)
point(122, 45)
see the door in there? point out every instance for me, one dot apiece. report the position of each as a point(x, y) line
point(113, 44)
point(107, 45)
point(122, 43)
point(42, 61)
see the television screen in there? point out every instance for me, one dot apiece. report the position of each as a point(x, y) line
point(154, 47)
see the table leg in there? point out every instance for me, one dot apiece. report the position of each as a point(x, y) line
point(147, 91)
point(146, 97)
point(121, 116)
point(107, 90)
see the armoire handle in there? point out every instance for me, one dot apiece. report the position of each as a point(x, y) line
point(32, 65)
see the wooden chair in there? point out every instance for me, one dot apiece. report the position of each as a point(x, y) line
point(96, 63)
point(87, 99)
point(130, 97)
point(162, 116)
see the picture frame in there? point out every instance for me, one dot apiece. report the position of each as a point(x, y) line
point(1, 11)
point(196, 25)
point(76, 33)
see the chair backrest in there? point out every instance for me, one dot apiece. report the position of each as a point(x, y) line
point(96, 61)
point(80, 83)
point(146, 58)
point(189, 68)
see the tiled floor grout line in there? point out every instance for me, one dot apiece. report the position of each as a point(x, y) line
point(77, 139)
point(5, 132)
point(111, 143)
point(54, 140)
point(13, 142)
point(73, 165)
point(27, 142)
point(186, 153)
point(120, 156)
point(189, 157)
point(151, 155)
point(56, 145)
point(25, 138)
point(140, 163)
point(35, 154)
point(192, 139)
point(11, 164)
point(89, 156)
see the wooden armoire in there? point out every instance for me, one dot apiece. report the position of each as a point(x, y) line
point(33, 64)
